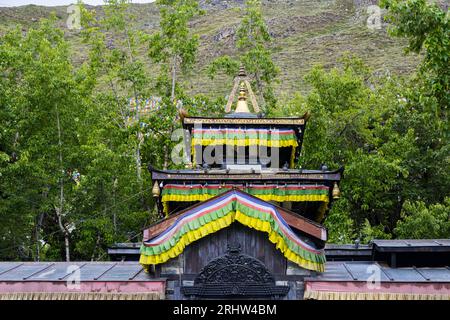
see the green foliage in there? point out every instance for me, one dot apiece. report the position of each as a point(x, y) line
point(340, 225)
point(252, 43)
point(43, 102)
point(87, 177)
point(175, 39)
point(369, 233)
point(421, 222)
point(73, 154)
point(362, 122)
point(174, 45)
point(427, 27)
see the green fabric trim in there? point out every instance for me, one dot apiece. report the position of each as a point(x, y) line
point(232, 207)
point(249, 190)
point(189, 226)
point(244, 135)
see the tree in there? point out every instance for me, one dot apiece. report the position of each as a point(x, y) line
point(421, 222)
point(427, 27)
point(391, 135)
point(252, 42)
point(43, 102)
point(114, 56)
point(174, 47)
point(360, 121)
point(114, 197)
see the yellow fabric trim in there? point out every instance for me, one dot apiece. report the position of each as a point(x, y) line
point(279, 242)
point(187, 239)
point(245, 142)
point(165, 208)
point(81, 296)
point(292, 164)
point(266, 197)
point(223, 222)
point(332, 295)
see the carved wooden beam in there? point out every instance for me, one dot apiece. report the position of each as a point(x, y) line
point(252, 96)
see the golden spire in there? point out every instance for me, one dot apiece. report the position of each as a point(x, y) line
point(156, 191)
point(242, 100)
point(242, 72)
point(242, 81)
point(336, 193)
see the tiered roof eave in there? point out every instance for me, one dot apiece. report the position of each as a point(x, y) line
point(268, 174)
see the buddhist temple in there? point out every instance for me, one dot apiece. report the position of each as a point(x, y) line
point(240, 201)
point(242, 221)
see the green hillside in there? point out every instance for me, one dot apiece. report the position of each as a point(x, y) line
point(305, 32)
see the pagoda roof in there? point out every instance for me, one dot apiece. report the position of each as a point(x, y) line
point(293, 219)
point(244, 120)
point(168, 238)
point(270, 174)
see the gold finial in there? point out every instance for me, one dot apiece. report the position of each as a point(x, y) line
point(307, 115)
point(242, 100)
point(182, 113)
point(336, 193)
point(242, 81)
point(156, 191)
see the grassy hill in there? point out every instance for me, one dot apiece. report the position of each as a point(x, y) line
point(305, 33)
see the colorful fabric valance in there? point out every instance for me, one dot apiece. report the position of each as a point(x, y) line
point(339, 295)
point(276, 138)
point(268, 192)
point(244, 137)
point(220, 213)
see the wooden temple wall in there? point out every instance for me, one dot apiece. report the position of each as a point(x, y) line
point(183, 269)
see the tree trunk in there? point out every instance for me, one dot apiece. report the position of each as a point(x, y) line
point(67, 246)
point(138, 136)
point(260, 88)
point(174, 76)
point(114, 206)
point(166, 158)
point(97, 243)
point(40, 217)
point(65, 232)
point(59, 210)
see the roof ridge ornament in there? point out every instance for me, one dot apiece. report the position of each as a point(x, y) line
point(242, 106)
point(242, 80)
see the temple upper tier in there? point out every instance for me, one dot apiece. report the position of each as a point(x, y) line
point(244, 163)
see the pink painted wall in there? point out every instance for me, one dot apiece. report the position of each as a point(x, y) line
point(85, 286)
point(406, 287)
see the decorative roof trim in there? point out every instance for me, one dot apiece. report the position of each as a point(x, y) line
point(265, 121)
point(219, 213)
point(293, 219)
point(330, 176)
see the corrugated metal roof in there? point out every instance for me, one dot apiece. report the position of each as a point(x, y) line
point(413, 243)
point(361, 271)
point(60, 271)
point(132, 271)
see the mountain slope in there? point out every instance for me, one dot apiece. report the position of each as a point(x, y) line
point(305, 33)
